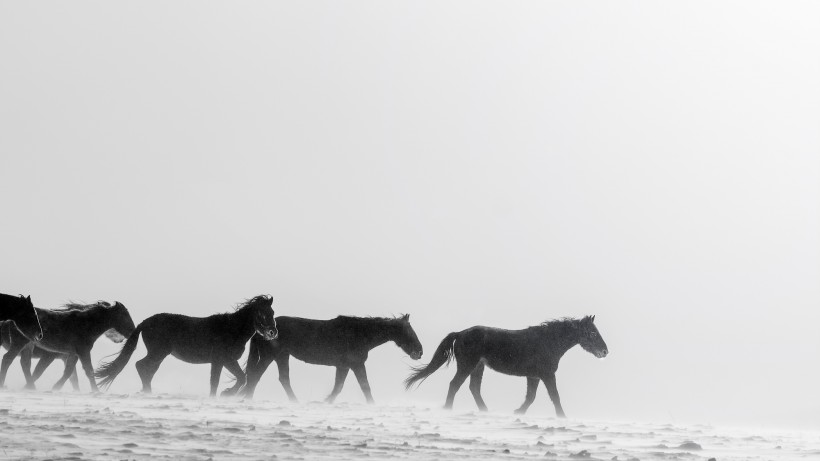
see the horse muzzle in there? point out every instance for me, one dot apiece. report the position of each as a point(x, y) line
point(602, 353)
point(270, 335)
point(415, 355)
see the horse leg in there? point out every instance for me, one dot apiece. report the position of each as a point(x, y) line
point(253, 373)
point(475, 386)
point(462, 372)
point(74, 380)
point(341, 374)
point(148, 366)
point(42, 364)
point(70, 363)
point(85, 360)
point(532, 387)
point(216, 371)
point(552, 388)
point(361, 375)
point(25, 364)
point(8, 357)
point(235, 370)
point(283, 364)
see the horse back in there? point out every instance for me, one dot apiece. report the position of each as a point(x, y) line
point(191, 339)
point(319, 342)
point(513, 352)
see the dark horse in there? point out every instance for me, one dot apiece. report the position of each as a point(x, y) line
point(218, 339)
point(343, 342)
point(20, 310)
point(533, 352)
point(70, 334)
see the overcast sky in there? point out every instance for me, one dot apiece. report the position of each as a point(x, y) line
point(495, 163)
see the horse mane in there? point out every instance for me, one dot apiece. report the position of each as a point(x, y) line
point(252, 302)
point(562, 322)
point(355, 319)
point(79, 307)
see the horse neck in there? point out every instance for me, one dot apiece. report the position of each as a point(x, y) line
point(565, 337)
point(383, 332)
point(98, 320)
point(8, 307)
point(240, 321)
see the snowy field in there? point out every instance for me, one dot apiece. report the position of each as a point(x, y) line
point(45, 425)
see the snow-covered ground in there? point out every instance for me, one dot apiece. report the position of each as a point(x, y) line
point(45, 425)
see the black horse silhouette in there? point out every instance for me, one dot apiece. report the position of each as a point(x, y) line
point(533, 352)
point(218, 339)
point(20, 310)
point(343, 342)
point(69, 333)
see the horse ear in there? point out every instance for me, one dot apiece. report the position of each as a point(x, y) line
point(406, 317)
point(28, 298)
point(592, 319)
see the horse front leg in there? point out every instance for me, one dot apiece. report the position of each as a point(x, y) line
point(283, 364)
point(361, 375)
point(552, 389)
point(216, 371)
point(45, 360)
point(85, 360)
point(236, 370)
point(25, 364)
point(532, 388)
point(8, 358)
point(341, 374)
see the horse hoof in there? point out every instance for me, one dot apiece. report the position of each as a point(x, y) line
point(520, 411)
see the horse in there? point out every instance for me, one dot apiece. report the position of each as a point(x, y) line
point(533, 352)
point(217, 339)
point(70, 333)
point(343, 342)
point(21, 311)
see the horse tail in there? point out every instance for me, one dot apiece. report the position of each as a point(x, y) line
point(442, 355)
point(109, 370)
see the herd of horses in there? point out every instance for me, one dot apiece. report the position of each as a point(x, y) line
point(69, 333)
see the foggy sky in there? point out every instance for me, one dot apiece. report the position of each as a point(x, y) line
point(495, 163)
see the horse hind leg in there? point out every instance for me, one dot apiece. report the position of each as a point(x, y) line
point(464, 367)
point(147, 367)
point(532, 388)
point(475, 385)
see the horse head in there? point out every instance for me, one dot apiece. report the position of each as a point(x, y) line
point(26, 320)
point(590, 339)
point(263, 321)
point(406, 338)
point(123, 325)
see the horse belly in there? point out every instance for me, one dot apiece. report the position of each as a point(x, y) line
point(192, 356)
point(509, 369)
point(315, 357)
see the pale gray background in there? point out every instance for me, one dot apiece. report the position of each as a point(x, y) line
point(496, 163)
